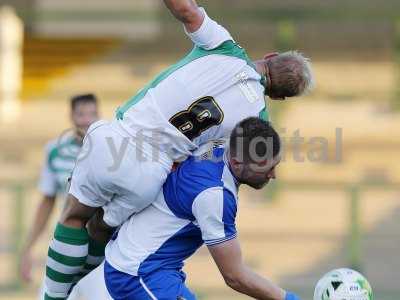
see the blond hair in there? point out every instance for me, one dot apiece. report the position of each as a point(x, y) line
point(291, 74)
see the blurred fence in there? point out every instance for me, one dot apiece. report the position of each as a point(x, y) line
point(16, 197)
point(353, 191)
point(12, 228)
point(396, 96)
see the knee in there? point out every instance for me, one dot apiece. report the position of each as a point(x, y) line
point(76, 214)
point(98, 229)
point(73, 220)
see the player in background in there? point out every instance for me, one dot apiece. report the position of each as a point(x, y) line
point(59, 161)
point(197, 206)
point(125, 162)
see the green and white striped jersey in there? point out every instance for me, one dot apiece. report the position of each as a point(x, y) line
point(57, 167)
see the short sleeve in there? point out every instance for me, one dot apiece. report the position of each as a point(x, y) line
point(47, 181)
point(85, 188)
point(210, 35)
point(215, 211)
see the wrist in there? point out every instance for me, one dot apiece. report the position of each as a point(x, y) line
point(28, 247)
point(291, 296)
point(26, 251)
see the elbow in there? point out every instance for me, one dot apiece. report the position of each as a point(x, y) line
point(234, 281)
point(186, 12)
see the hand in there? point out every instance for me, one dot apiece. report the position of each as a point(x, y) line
point(25, 268)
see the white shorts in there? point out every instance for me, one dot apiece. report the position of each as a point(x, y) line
point(91, 287)
point(117, 172)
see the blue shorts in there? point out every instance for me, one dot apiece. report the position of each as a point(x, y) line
point(160, 285)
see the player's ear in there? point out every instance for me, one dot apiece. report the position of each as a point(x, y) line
point(236, 165)
point(270, 55)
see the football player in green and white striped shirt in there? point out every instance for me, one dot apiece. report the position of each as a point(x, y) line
point(59, 161)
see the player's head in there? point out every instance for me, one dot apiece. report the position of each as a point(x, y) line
point(254, 152)
point(287, 74)
point(83, 112)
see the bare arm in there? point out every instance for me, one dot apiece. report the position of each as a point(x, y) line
point(187, 12)
point(40, 220)
point(238, 276)
point(39, 223)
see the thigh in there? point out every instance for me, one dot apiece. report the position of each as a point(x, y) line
point(76, 214)
point(116, 174)
point(98, 229)
point(167, 285)
point(161, 285)
point(142, 184)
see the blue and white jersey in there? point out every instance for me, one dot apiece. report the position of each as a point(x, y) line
point(197, 205)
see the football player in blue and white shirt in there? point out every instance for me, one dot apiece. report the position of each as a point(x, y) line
point(124, 163)
point(197, 206)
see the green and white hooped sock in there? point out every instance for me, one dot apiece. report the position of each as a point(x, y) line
point(66, 258)
point(95, 256)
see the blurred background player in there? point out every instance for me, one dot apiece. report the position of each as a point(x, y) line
point(59, 161)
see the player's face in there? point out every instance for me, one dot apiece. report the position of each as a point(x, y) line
point(83, 116)
point(257, 175)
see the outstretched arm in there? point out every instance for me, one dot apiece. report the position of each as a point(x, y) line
point(238, 276)
point(215, 211)
point(186, 11)
point(39, 223)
